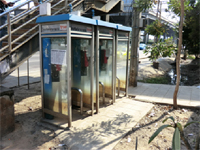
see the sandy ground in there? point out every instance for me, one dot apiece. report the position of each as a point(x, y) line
point(29, 132)
point(152, 121)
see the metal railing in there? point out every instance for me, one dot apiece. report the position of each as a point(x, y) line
point(118, 85)
point(103, 91)
point(81, 97)
point(20, 16)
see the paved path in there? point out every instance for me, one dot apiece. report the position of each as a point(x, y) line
point(161, 93)
point(105, 129)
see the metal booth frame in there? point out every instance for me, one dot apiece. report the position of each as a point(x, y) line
point(123, 34)
point(67, 21)
point(101, 25)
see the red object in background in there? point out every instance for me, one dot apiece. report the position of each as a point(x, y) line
point(85, 60)
point(58, 67)
point(104, 56)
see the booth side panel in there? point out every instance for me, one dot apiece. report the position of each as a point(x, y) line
point(105, 66)
point(81, 78)
point(122, 52)
point(54, 75)
point(46, 67)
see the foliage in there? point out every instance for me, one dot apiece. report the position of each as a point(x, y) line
point(190, 57)
point(161, 49)
point(143, 4)
point(156, 28)
point(178, 133)
point(175, 6)
point(156, 80)
point(191, 34)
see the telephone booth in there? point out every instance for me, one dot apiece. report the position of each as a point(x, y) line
point(105, 60)
point(67, 65)
point(122, 58)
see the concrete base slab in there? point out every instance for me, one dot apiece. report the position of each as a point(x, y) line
point(105, 130)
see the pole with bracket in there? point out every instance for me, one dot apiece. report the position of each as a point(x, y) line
point(134, 47)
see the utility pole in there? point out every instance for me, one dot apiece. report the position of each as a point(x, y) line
point(134, 47)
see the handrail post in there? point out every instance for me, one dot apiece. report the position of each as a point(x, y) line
point(66, 3)
point(118, 85)
point(103, 91)
point(28, 6)
point(9, 32)
point(18, 75)
point(28, 72)
point(81, 97)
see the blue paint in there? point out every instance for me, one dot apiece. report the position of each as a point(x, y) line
point(106, 24)
point(70, 7)
point(93, 13)
point(124, 28)
point(76, 59)
point(65, 17)
point(46, 66)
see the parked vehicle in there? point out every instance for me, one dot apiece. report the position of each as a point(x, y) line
point(142, 46)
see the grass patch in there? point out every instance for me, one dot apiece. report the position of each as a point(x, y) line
point(156, 80)
point(190, 57)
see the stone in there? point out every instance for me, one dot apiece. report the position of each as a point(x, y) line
point(7, 118)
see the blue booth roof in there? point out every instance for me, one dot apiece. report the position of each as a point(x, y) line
point(106, 24)
point(64, 17)
point(124, 28)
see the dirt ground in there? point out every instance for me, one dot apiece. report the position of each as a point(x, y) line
point(152, 121)
point(30, 133)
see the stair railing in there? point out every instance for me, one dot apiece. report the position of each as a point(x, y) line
point(20, 16)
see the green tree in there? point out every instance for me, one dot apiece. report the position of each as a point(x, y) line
point(156, 28)
point(191, 34)
point(175, 6)
point(179, 7)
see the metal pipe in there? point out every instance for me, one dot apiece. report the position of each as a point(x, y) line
point(18, 75)
point(28, 72)
point(118, 85)
point(9, 33)
point(68, 59)
point(127, 64)
point(81, 99)
point(97, 66)
point(103, 91)
point(24, 41)
point(23, 35)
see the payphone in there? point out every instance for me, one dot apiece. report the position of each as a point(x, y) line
point(122, 57)
point(67, 56)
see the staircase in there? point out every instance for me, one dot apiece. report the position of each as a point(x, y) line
point(22, 38)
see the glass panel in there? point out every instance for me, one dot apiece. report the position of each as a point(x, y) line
point(121, 63)
point(81, 78)
point(55, 74)
point(105, 65)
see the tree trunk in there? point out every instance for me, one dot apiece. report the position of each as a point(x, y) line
point(134, 47)
point(178, 56)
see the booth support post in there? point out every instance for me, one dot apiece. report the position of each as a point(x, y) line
point(97, 69)
point(69, 74)
point(92, 71)
point(41, 70)
point(116, 46)
point(126, 86)
point(113, 70)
